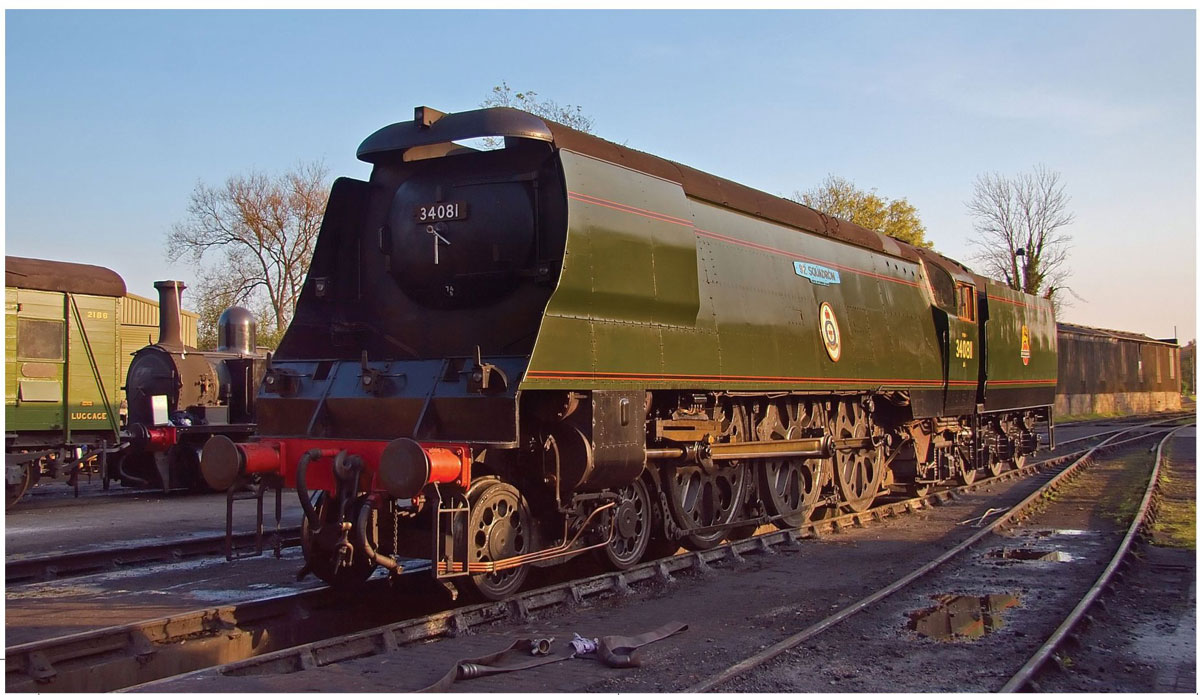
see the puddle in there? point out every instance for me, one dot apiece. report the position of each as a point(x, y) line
point(1034, 554)
point(962, 616)
point(1047, 533)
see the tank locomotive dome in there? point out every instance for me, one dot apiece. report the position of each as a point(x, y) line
point(456, 242)
point(237, 331)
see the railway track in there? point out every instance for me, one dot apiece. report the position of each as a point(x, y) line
point(723, 679)
point(49, 567)
point(296, 631)
point(1023, 679)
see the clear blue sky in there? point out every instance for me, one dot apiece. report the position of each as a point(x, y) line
point(113, 117)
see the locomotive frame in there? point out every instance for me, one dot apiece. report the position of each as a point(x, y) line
point(595, 349)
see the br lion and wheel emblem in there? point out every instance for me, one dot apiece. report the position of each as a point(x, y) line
point(831, 335)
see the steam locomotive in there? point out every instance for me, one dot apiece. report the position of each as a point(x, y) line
point(503, 359)
point(178, 396)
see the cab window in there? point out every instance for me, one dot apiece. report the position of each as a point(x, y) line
point(966, 303)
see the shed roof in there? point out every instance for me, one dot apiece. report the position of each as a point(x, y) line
point(1110, 333)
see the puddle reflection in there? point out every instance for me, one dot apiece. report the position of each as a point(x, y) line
point(962, 616)
point(1035, 554)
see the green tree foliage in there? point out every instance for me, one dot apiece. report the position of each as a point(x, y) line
point(568, 115)
point(1020, 231)
point(840, 198)
point(251, 240)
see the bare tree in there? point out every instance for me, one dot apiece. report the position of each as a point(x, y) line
point(568, 115)
point(1020, 233)
point(257, 232)
point(840, 198)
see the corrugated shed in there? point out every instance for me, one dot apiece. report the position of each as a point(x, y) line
point(143, 313)
point(1108, 333)
point(139, 327)
point(1104, 361)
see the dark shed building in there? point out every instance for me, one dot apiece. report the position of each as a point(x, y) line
point(1105, 371)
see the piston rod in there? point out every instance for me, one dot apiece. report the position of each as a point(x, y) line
point(812, 447)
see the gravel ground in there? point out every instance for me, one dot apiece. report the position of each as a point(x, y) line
point(774, 595)
point(55, 521)
point(732, 611)
point(877, 651)
point(1145, 637)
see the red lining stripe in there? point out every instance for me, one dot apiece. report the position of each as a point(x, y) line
point(560, 375)
point(1021, 381)
point(662, 217)
point(1006, 300)
point(788, 254)
point(622, 207)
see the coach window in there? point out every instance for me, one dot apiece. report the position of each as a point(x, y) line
point(966, 303)
point(38, 339)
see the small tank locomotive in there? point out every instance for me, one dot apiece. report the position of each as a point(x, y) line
point(178, 396)
point(504, 359)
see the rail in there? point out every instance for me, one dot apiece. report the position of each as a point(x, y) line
point(62, 565)
point(1015, 513)
point(1047, 651)
point(227, 639)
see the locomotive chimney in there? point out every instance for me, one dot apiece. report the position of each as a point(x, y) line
point(169, 331)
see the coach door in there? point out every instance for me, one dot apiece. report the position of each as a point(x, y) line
point(963, 350)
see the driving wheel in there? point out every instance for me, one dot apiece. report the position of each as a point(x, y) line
point(858, 471)
point(790, 487)
point(994, 465)
point(963, 472)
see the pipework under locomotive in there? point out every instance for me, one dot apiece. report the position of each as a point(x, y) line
point(178, 396)
point(503, 359)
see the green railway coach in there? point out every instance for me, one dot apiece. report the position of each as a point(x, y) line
point(69, 329)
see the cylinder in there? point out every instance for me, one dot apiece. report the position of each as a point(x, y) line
point(169, 330)
point(237, 331)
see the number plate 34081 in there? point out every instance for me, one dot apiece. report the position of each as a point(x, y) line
point(440, 212)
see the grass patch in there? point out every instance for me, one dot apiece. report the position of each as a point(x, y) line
point(1175, 526)
point(1127, 508)
point(1175, 523)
